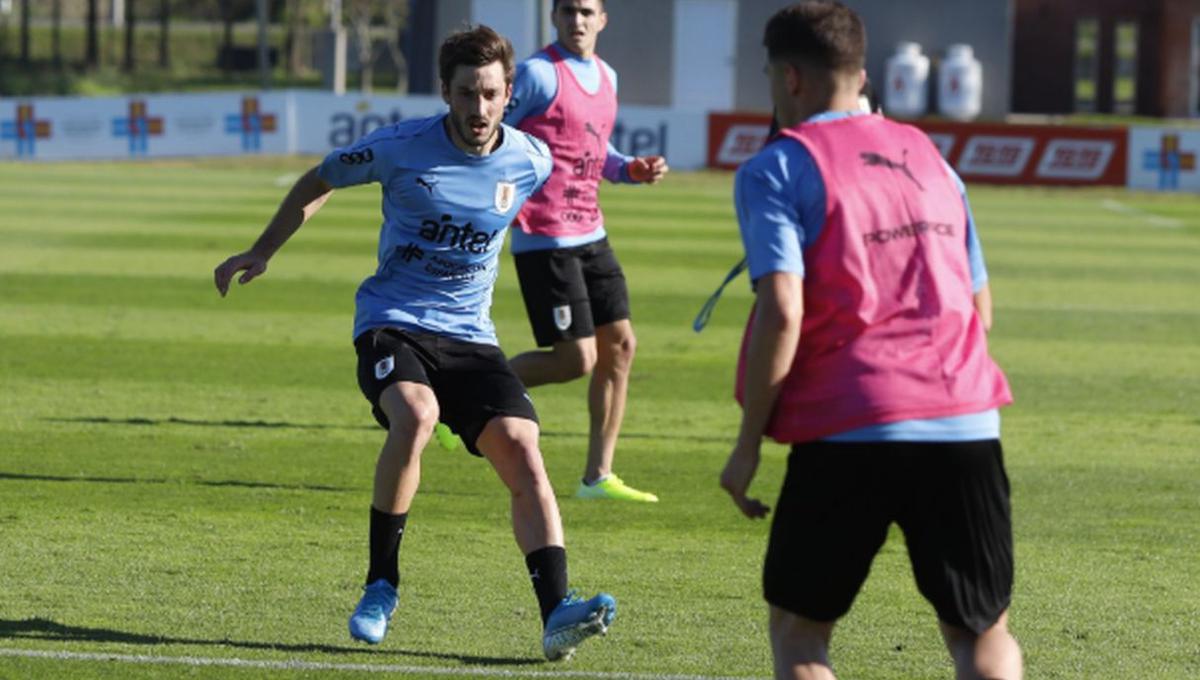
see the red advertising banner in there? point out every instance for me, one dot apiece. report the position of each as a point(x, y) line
point(1033, 154)
point(734, 137)
point(980, 152)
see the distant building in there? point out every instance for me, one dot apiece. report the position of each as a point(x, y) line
point(1108, 56)
point(1038, 56)
point(708, 54)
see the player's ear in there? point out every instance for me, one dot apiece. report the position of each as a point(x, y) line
point(792, 78)
point(446, 92)
point(603, 17)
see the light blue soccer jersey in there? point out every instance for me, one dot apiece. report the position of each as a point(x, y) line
point(445, 214)
point(779, 196)
point(534, 88)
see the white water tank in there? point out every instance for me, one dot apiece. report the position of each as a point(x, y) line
point(960, 84)
point(906, 93)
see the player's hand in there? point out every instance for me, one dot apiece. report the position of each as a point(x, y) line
point(736, 477)
point(250, 264)
point(647, 169)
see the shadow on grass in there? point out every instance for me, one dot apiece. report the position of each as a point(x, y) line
point(52, 631)
point(283, 425)
point(136, 480)
point(173, 420)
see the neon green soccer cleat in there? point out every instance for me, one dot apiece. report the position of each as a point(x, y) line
point(445, 438)
point(612, 488)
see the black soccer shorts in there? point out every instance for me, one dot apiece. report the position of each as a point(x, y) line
point(472, 382)
point(951, 500)
point(568, 292)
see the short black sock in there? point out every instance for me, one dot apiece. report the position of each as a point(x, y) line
point(548, 572)
point(386, 531)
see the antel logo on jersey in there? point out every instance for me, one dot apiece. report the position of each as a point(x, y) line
point(995, 156)
point(1082, 159)
point(741, 142)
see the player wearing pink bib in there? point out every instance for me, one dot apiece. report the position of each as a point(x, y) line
point(573, 286)
point(867, 352)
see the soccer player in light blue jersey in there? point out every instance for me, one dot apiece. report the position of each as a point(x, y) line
point(426, 345)
point(867, 353)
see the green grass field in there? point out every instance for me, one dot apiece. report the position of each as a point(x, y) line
point(188, 477)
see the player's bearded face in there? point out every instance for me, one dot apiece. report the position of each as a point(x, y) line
point(477, 96)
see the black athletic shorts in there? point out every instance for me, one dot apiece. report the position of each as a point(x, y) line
point(570, 291)
point(838, 500)
point(472, 382)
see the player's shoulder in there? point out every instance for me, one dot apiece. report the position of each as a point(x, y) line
point(411, 129)
point(532, 148)
point(608, 70)
point(781, 157)
point(537, 68)
point(527, 143)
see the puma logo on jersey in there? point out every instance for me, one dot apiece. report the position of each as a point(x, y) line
point(872, 159)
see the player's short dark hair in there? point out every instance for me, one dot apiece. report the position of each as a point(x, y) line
point(823, 34)
point(478, 46)
point(554, 5)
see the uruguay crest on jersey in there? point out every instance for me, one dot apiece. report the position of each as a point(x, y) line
point(505, 193)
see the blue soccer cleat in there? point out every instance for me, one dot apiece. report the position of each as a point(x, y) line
point(575, 620)
point(369, 622)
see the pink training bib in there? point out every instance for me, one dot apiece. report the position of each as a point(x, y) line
point(890, 330)
point(576, 126)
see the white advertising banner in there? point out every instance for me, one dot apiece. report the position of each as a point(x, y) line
point(297, 121)
point(327, 121)
point(142, 126)
point(657, 131)
point(1163, 159)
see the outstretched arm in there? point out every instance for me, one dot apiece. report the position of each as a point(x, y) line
point(633, 170)
point(773, 338)
point(304, 199)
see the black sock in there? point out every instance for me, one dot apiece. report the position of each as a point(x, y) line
point(548, 571)
point(386, 531)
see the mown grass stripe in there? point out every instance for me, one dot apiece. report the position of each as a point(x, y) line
point(300, 665)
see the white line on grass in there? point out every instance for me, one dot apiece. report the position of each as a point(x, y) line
point(297, 665)
point(1155, 220)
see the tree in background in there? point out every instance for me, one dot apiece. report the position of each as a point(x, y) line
point(227, 10)
point(360, 14)
point(164, 30)
point(231, 11)
point(56, 33)
point(92, 56)
point(301, 17)
point(25, 32)
point(294, 20)
point(129, 61)
point(395, 17)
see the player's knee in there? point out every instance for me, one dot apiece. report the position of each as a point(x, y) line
point(518, 445)
point(992, 654)
point(410, 412)
point(576, 359)
point(618, 344)
point(623, 349)
point(799, 639)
